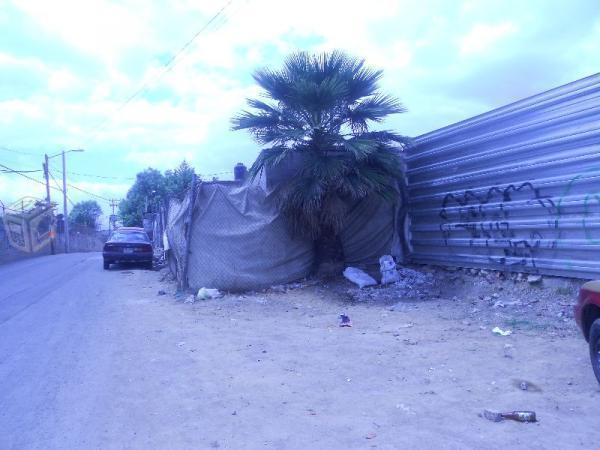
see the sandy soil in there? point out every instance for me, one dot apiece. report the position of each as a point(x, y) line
point(278, 372)
point(98, 359)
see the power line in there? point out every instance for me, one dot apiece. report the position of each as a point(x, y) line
point(12, 150)
point(54, 187)
point(25, 176)
point(20, 171)
point(214, 174)
point(59, 171)
point(58, 185)
point(167, 67)
point(88, 192)
point(55, 182)
point(6, 208)
point(104, 177)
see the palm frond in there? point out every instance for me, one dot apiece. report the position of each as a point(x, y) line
point(274, 84)
point(254, 121)
point(374, 109)
point(386, 137)
point(323, 167)
point(268, 158)
point(322, 107)
point(361, 148)
point(364, 82)
point(387, 160)
point(260, 105)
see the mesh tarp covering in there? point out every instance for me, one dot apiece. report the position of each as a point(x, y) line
point(176, 233)
point(370, 232)
point(239, 241)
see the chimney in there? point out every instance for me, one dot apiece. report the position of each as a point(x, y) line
point(239, 172)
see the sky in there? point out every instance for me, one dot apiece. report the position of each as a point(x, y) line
point(68, 69)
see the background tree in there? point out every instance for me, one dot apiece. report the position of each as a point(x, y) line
point(320, 108)
point(178, 181)
point(86, 214)
point(144, 196)
point(151, 188)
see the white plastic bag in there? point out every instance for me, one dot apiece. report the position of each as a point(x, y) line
point(387, 267)
point(359, 277)
point(501, 332)
point(206, 293)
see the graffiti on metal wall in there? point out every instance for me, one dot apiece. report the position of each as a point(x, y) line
point(590, 215)
point(485, 218)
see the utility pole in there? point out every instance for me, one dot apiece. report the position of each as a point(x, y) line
point(46, 176)
point(64, 189)
point(113, 205)
point(66, 217)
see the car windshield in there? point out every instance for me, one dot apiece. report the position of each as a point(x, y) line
point(129, 236)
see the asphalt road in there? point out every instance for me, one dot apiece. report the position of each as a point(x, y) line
point(76, 363)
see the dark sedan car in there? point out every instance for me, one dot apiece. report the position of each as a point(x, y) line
point(128, 245)
point(587, 315)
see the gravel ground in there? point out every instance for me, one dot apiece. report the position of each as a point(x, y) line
point(482, 297)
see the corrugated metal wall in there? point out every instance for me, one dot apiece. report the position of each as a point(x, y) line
point(517, 188)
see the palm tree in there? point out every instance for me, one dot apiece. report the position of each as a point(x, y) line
point(319, 108)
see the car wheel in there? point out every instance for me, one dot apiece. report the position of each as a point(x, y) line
point(595, 348)
point(149, 265)
point(106, 265)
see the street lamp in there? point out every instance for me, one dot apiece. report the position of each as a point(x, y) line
point(64, 174)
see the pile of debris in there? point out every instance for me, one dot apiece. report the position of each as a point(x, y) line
point(396, 282)
point(412, 284)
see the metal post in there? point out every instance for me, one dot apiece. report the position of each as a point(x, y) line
point(113, 204)
point(65, 215)
point(46, 176)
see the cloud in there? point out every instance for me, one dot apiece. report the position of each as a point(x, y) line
point(67, 67)
point(483, 36)
point(13, 187)
point(101, 28)
point(162, 159)
point(12, 111)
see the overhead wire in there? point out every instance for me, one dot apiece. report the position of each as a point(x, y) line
point(60, 171)
point(26, 176)
point(54, 187)
point(58, 185)
point(104, 177)
point(20, 171)
point(166, 68)
point(214, 174)
point(89, 193)
point(12, 150)
point(54, 180)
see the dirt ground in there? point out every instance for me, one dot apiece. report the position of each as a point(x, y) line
point(415, 369)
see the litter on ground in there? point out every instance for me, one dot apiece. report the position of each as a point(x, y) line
point(359, 277)
point(206, 293)
point(501, 332)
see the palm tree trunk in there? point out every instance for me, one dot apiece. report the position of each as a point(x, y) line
point(328, 251)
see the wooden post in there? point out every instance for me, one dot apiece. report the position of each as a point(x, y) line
point(189, 222)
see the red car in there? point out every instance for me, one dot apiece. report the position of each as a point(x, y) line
point(587, 315)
